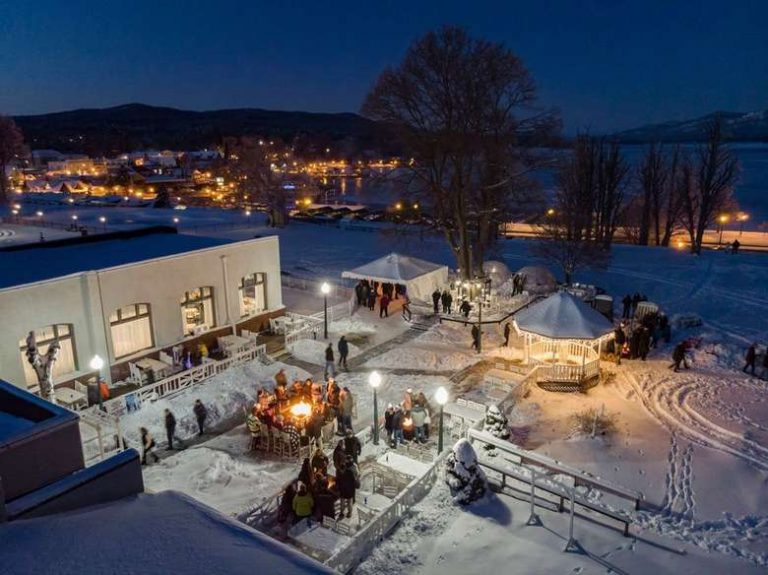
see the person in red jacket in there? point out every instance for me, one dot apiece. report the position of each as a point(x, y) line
point(384, 306)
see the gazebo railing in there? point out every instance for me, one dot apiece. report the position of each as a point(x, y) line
point(565, 361)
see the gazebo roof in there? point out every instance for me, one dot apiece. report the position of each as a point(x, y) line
point(393, 268)
point(563, 316)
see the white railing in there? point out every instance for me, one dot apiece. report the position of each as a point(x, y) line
point(365, 540)
point(182, 380)
point(571, 361)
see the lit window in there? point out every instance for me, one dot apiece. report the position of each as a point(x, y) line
point(253, 294)
point(131, 329)
point(197, 310)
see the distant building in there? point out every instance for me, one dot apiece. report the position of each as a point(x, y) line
point(131, 295)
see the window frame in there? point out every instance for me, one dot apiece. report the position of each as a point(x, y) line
point(137, 316)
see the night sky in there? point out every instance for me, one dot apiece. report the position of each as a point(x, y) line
point(606, 64)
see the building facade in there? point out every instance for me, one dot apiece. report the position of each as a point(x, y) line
point(137, 309)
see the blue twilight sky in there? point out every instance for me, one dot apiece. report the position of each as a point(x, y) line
point(607, 64)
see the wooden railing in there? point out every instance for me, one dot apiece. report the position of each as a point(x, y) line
point(182, 380)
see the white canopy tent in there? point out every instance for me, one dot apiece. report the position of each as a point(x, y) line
point(420, 277)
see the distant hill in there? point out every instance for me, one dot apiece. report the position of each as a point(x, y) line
point(139, 126)
point(744, 127)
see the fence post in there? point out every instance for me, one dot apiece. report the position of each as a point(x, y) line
point(533, 519)
point(572, 545)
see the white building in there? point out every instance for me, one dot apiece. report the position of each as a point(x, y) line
point(131, 296)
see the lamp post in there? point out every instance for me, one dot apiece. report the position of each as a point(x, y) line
point(441, 397)
point(96, 364)
point(742, 217)
point(326, 289)
point(375, 381)
point(103, 221)
point(723, 220)
point(480, 320)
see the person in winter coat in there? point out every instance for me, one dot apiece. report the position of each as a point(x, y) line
point(507, 331)
point(352, 447)
point(347, 402)
point(170, 428)
point(302, 503)
point(330, 363)
point(147, 445)
point(305, 473)
point(626, 302)
point(619, 339)
point(384, 306)
point(324, 499)
point(408, 400)
point(372, 299)
point(636, 299)
point(765, 365)
point(388, 414)
point(750, 358)
point(465, 309)
point(338, 454)
point(643, 342)
point(201, 413)
point(436, 300)
point(281, 379)
point(678, 356)
point(343, 352)
point(345, 483)
point(285, 509)
point(319, 462)
point(419, 416)
point(397, 426)
point(475, 337)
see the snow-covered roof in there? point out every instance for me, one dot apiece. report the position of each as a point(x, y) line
point(38, 264)
point(538, 280)
point(393, 268)
point(155, 534)
point(563, 316)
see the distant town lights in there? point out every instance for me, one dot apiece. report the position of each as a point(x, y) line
point(39, 214)
point(175, 220)
point(74, 217)
point(102, 219)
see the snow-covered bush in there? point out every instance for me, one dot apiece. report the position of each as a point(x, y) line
point(464, 477)
point(593, 422)
point(496, 423)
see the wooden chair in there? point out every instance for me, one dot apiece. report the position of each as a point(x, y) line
point(137, 376)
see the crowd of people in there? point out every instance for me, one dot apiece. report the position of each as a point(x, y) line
point(315, 491)
point(635, 339)
point(368, 291)
point(326, 402)
point(629, 303)
point(409, 420)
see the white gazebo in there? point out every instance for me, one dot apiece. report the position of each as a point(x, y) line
point(420, 277)
point(564, 336)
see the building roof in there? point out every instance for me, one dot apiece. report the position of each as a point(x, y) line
point(43, 263)
point(563, 316)
point(155, 534)
point(393, 268)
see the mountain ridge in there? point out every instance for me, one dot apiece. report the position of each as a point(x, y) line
point(737, 127)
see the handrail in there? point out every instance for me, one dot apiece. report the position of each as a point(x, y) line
point(580, 477)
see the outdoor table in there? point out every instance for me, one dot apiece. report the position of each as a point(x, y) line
point(71, 398)
point(230, 344)
point(159, 368)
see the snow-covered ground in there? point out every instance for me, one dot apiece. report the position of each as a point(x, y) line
point(695, 442)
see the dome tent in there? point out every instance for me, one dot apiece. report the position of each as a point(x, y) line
point(420, 277)
point(538, 280)
point(498, 272)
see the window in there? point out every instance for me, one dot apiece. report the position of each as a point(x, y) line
point(65, 364)
point(131, 329)
point(197, 310)
point(253, 294)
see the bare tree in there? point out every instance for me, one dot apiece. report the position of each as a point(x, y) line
point(11, 145)
point(43, 365)
point(653, 177)
point(248, 163)
point(706, 184)
point(463, 108)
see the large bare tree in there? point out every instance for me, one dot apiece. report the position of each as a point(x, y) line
point(248, 163)
point(11, 145)
point(464, 109)
point(707, 185)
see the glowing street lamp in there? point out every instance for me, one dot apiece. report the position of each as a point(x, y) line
point(441, 397)
point(74, 217)
point(375, 381)
point(103, 221)
point(742, 217)
point(175, 220)
point(325, 289)
point(39, 214)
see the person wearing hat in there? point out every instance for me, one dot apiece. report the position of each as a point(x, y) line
point(388, 415)
point(397, 426)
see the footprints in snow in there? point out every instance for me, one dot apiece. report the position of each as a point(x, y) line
point(678, 495)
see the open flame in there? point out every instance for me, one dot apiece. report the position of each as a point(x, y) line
point(407, 423)
point(301, 410)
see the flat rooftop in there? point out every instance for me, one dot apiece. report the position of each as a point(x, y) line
point(149, 534)
point(36, 264)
